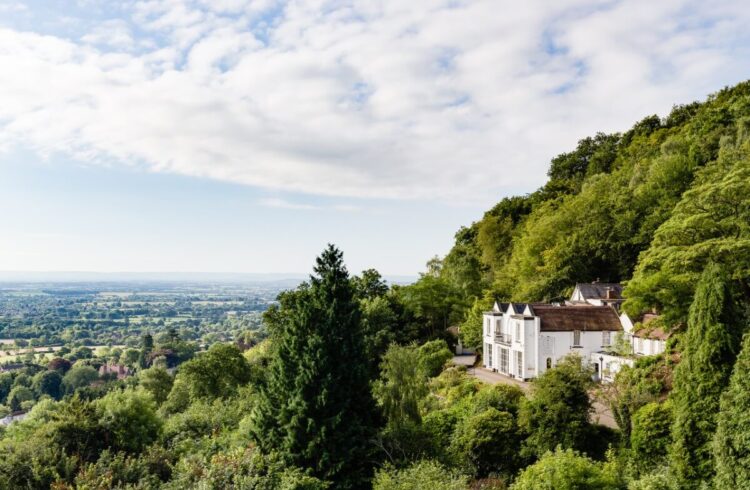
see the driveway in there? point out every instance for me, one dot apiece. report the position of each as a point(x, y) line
point(600, 414)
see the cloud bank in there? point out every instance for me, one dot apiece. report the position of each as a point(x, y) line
point(422, 99)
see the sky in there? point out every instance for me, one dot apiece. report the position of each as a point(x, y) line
point(242, 136)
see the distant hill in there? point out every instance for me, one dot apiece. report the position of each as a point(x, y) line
point(291, 279)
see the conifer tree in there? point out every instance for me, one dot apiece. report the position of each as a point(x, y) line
point(711, 345)
point(316, 410)
point(732, 440)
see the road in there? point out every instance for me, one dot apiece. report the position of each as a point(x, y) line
point(601, 413)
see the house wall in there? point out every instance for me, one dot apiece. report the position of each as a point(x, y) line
point(556, 345)
point(609, 365)
point(535, 346)
point(648, 347)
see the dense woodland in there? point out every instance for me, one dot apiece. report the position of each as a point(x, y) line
point(353, 388)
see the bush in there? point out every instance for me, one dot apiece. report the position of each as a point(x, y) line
point(487, 443)
point(651, 436)
point(432, 357)
point(423, 475)
point(566, 470)
point(659, 480)
point(557, 414)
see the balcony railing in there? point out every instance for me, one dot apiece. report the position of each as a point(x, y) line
point(503, 338)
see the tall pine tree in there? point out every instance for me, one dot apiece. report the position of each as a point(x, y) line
point(316, 411)
point(732, 441)
point(711, 346)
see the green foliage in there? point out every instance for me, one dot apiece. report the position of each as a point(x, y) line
point(316, 409)
point(402, 385)
point(709, 224)
point(712, 342)
point(380, 325)
point(432, 357)
point(601, 209)
point(731, 444)
point(217, 373)
point(48, 383)
point(651, 436)
point(369, 285)
point(567, 470)
point(33, 464)
point(435, 302)
point(658, 480)
point(471, 327)
point(488, 442)
point(633, 388)
point(18, 396)
point(79, 377)
point(156, 381)
point(502, 397)
point(419, 476)
point(148, 470)
point(557, 414)
point(129, 419)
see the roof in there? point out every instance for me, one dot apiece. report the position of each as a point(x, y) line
point(569, 318)
point(653, 334)
point(512, 308)
point(598, 290)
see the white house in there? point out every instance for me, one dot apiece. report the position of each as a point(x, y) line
point(524, 340)
point(645, 341)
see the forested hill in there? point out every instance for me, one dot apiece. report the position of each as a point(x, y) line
point(649, 207)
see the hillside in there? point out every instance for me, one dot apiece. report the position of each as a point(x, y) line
point(649, 207)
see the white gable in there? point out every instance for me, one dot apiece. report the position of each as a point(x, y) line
point(627, 323)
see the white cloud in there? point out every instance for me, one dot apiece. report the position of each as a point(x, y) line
point(275, 202)
point(420, 99)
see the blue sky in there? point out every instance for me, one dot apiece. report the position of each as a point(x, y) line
point(62, 215)
point(242, 136)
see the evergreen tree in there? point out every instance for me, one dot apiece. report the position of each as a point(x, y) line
point(147, 346)
point(711, 346)
point(316, 410)
point(732, 440)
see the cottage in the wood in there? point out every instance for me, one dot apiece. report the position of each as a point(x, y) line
point(524, 340)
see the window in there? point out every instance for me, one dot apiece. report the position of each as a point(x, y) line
point(606, 339)
point(518, 331)
point(549, 363)
point(504, 361)
point(519, 364)
point(576, 338)
point(488, 347)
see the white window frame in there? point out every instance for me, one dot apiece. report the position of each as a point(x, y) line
point(606, 338)
point(504, 361)
point(576, 338)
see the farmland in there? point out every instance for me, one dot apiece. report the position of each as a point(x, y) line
point(37, 319)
